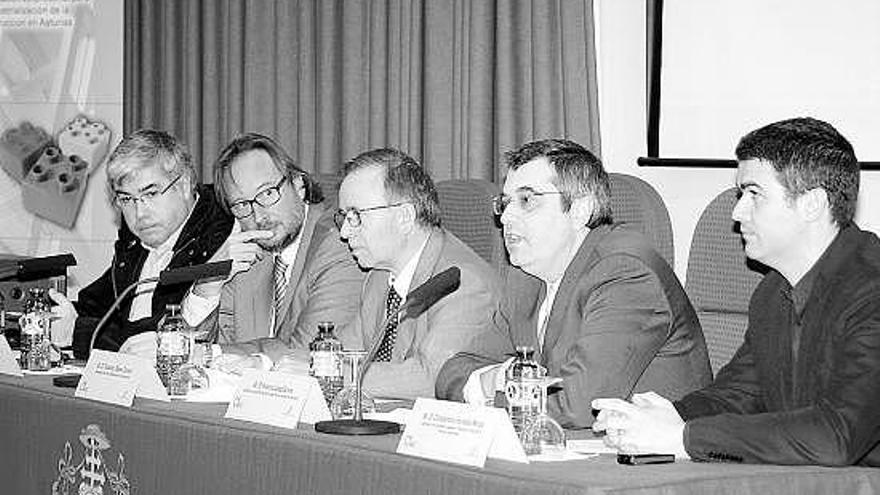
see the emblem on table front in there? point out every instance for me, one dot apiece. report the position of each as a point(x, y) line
point(91, 471)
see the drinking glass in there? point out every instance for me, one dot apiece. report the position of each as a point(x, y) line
point(542, 434)
point(192, 374)
point(344, 404)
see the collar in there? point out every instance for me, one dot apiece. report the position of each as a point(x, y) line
point(169, 243)
point(288, 254)
point(403, 280)
point(800, 293)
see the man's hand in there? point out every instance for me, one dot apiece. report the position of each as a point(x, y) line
point(63, 319)
point(242, 248)
point(649, 424)
point(142, 345)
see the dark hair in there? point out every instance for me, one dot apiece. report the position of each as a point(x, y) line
point(807, 153)
point(578, 173)
point(283, 162)
point(149, 147)
point(405, 180)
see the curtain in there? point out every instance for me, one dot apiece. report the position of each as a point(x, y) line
point(454, 83)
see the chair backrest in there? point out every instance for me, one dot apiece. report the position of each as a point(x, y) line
point(635, 203)
point(720, 279)
point(330, 186)
point(466, 211)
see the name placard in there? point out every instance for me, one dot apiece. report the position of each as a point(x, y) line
point(278, 399)
point(116, 378)
point(8, 363)
point(459, 433)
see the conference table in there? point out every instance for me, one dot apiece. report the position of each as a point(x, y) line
point(53, 442)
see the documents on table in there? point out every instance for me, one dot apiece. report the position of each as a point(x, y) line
point(459, 433)
point(116, 379)
point(278, 399)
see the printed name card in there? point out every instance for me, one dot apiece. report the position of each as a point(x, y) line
point(459, 433)
point(278, 399)
point(116, 378)
point(8, 363)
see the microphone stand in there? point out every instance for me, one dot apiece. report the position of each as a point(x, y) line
point(417, 302)
point(358, 425)
point(166, 277)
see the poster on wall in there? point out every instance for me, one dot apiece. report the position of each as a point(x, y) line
point(60, 115)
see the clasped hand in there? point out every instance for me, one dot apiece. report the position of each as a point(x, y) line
point(648, 424)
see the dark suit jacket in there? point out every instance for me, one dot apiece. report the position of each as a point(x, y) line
point(424, 344)
point(620, 323)
point(205, 231)
point(324, 285)
point(823, 409)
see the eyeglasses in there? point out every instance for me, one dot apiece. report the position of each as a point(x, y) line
point(265, 198)
point(127, 201)
point(525, 200)
point(352, 216)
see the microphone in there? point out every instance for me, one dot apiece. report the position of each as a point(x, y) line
point(166, 277)
point(417, 302)
point(33, 268)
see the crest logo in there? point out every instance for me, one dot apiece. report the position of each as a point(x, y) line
point(92, 471)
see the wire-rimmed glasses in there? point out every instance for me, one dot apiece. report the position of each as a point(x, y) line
point(524, 198)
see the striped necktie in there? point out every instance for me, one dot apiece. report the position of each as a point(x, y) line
point(392, 304)
point(280, 288)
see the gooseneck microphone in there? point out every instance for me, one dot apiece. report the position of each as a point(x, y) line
point(166, 277)
point(29, 268)
point(417, 302)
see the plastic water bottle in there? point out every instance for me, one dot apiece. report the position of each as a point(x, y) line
point(36, 338)
point(523, 400)
point(172, 346)
point(325, 360)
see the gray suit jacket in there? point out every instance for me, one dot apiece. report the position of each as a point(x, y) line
point(620, 323)
point(324, 285)
point(424, 344)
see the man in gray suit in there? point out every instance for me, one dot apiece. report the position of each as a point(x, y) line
point(390, 218)
point(290, 270)
point(599, 304)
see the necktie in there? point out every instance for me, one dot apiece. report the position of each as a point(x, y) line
point(392, 304)
point(280, 288)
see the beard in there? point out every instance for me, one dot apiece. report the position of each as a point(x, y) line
point(288, 234)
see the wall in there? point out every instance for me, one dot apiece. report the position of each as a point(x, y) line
point(622, 103)
point(59, 60)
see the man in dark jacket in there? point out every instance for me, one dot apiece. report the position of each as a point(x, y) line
point(167, 222)
point(804, 386)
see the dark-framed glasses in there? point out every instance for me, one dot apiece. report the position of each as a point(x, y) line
point(524, 199)
point(127, 201)
point(352, 216)
point(267, 197)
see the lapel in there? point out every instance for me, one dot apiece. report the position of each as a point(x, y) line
point(580, 264)
point(529, 291)
point(307, 234)
point(425, 268)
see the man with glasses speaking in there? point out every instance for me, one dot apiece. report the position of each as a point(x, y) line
point(603, 310)
point(390, 217)
point(290, 270)
point(168, 221)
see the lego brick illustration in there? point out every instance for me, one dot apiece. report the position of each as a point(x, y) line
point(87, 139)
point(55, 185)
point(20, 147)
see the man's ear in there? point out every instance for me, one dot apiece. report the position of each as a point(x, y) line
point(299, 185)
point(407, 216)
point(581, 210)
point(814, 204)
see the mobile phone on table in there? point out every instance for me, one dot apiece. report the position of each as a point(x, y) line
point(639, 459)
